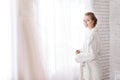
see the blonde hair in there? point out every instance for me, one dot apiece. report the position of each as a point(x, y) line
point(92, 16)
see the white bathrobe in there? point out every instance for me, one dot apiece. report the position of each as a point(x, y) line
point(88, 56)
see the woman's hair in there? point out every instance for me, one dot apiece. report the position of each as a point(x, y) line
point(92, 16)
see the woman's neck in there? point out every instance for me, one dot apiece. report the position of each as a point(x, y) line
point(90, 28)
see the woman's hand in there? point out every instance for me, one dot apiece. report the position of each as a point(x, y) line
point(77, 52)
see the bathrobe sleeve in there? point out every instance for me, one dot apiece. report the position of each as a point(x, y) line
point(92, 50)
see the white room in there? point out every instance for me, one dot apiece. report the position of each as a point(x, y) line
point(39, 38)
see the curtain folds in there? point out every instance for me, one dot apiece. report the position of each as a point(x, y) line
point(49, 32)
point(30, 65)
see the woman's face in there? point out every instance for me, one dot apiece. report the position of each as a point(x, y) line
point(88, 22)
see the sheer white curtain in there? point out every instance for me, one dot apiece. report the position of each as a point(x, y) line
point(49, 32)
point(61, 30)
point(30, 66)
point(5, 40)
point(62, 33)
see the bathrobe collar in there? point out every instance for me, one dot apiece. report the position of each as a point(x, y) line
point(92, 30)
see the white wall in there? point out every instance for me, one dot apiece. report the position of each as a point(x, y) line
point(115, 37)
point(101, 9)
point(108, 13)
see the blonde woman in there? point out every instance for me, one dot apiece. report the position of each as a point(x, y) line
point(88, 56)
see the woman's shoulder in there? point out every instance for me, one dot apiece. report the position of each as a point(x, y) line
point(94, 31)
point(94, 34)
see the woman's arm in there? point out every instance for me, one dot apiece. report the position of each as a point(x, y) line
point(91, 52)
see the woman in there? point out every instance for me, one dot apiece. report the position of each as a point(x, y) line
point(88, 56)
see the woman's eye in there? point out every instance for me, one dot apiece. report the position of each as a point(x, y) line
point(88, 20)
